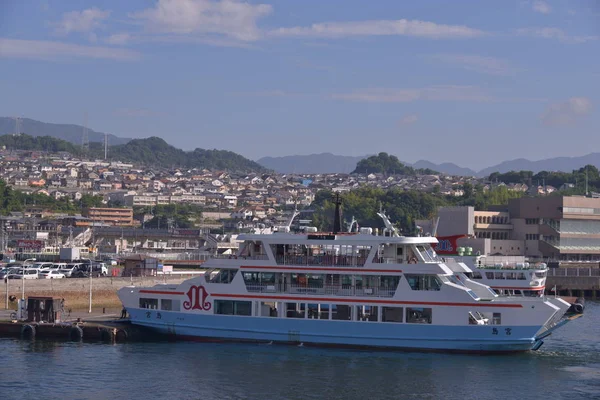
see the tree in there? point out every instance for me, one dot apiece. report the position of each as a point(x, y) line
point(382, 163)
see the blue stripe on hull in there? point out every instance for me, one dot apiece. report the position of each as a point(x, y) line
point(469, 338)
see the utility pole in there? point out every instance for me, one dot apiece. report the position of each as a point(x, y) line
point(105, 146)
point(85, 140)
point(586, 180)
point(91, 273)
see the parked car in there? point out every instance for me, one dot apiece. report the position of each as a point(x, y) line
point(7, 271)
point(41, 265)
point(70, 269)
point(83, 271)
point(30, 273)
point(53, 266)
point(51, 274)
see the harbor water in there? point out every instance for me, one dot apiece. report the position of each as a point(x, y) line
point(566, 367)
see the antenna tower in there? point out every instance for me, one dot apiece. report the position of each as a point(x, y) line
point(18, 125)
point(85, 140)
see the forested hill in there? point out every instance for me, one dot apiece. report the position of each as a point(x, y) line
point(387, 164)
point(38, 143)
point(155, 151)
point(152, 151)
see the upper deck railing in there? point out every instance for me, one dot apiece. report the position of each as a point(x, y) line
point(512, 266)
point(321, 260)
point(325, 289)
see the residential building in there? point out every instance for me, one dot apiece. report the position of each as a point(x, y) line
point(114, 216)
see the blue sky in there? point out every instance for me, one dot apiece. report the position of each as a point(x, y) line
point(469, 82)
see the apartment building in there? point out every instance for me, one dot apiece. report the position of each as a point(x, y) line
point(112, 216)
point(555, 227)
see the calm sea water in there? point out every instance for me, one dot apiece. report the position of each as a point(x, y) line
point(566, 367)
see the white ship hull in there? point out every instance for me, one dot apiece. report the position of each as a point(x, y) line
point(339, 333)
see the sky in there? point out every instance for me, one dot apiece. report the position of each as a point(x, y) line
point(469, 82)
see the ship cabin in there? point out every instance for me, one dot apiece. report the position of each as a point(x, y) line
point(350, 267)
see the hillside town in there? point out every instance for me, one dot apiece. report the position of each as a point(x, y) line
point(252, 196)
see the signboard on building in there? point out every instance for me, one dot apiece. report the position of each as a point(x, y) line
point(167, 269)
point(447, 244)
point(26, 244)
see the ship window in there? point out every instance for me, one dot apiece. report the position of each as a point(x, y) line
point(489, 275)
point(170, 305)
point(424, 282)
point(391, 314)
point(477, 275)
point(148, 303)
point(318, 311)
point(233, 307)
point(221, 276)
point(473, 295)
point(322, 311)
point(295, 310)
point(341, 312)
point(399, 251)
point(268, 309)
point(497, 319)
point(418, 315)
point(366, 313)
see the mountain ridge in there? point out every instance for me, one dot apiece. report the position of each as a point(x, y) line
point(71, 133)
point(305, 164)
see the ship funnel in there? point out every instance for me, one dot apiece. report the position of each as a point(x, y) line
point(337, 219)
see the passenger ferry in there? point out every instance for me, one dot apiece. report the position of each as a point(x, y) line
point(345, 289)
point(507, 275)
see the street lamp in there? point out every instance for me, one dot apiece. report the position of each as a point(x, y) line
point(90, 275)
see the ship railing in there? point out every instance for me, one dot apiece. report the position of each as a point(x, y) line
point(515, 266)
point(334, 290)
point(235, 257)
point(576, 272)
point(387, 260)
point(327, 260)
point(520, 276)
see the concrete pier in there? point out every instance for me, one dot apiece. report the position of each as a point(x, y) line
point(94, 328)
point(576, 282)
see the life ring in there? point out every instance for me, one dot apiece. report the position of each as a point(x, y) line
point(28, 332)
point(412, 260)
point(76, 333)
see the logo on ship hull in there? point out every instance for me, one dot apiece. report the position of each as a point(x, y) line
point(197, 299)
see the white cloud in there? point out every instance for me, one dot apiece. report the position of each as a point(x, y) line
point(554, 33)
point(433, 93)
point(541, 7)
point(119, 38)
point(484, 65)
point(401, 27)
point(81, 21)
point(568, 112)
point(408, 119)
point(48, 50)
point(184, 17)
